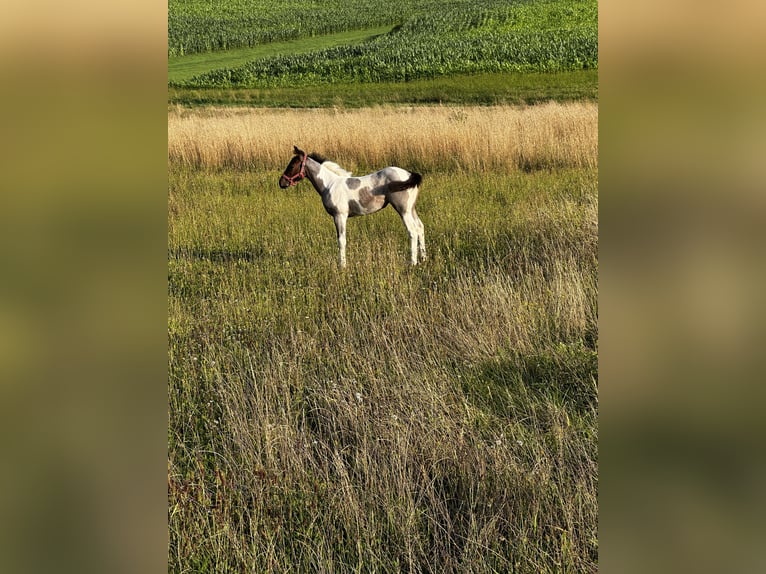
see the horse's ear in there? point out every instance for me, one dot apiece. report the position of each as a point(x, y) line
point(298, 151)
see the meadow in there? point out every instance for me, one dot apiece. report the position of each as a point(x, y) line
point(384, 418)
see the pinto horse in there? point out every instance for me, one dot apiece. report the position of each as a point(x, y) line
point(344, 195)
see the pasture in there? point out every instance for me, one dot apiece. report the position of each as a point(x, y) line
point(384, 418)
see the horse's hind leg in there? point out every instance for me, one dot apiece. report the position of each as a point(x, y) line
point(421, 235)
point(410, 222)
point(405, 207)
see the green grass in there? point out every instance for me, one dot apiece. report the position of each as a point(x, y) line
point(386, 418)
point(185, 67)
point(480, 89)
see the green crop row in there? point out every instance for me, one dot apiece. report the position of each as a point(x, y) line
point(421, 56)
point(201, 26)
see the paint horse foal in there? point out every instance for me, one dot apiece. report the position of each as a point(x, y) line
point(345, 196)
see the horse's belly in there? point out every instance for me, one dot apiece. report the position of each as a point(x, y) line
point(366, 205)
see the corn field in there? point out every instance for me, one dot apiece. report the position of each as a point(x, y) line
point(427, 41)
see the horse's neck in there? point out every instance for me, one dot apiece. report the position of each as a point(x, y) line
point(320, 176)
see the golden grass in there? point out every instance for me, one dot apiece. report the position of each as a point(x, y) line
point(499, 138)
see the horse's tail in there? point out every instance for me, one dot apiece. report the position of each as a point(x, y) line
point(413, 181)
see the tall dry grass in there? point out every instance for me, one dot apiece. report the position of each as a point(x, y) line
point(500, 138)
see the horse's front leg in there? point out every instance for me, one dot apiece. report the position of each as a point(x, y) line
point(412, 231)
point(340, 227)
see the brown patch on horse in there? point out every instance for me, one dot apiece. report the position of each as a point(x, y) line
point(367, 203)
point(366, 197)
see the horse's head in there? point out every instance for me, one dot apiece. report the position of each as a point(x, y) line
point(295, 170)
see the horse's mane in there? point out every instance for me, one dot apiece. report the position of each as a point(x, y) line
point(335, 168)
point(331, 165)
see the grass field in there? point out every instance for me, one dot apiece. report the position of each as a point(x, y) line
point(439, 418)
point(477, 89)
